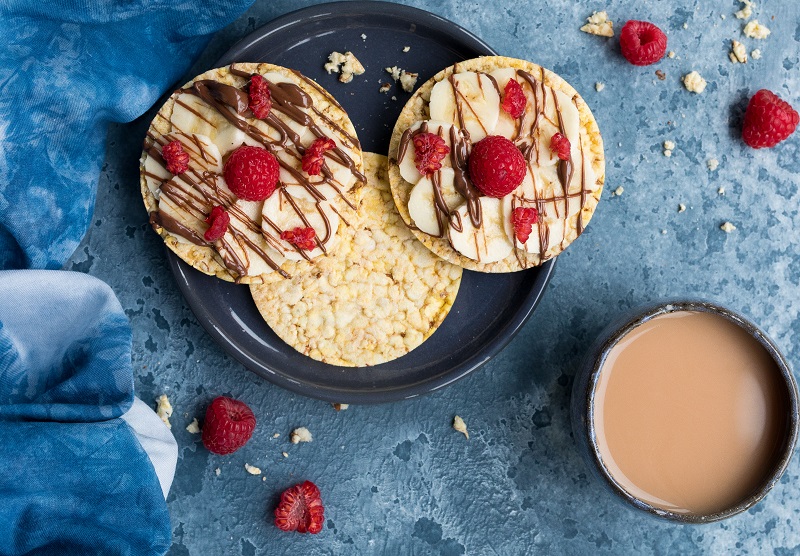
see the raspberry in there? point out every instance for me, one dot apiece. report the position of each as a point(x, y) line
point(642, 43)
point(176, 158)
point(496, 166)
point(260, 97)
point(302, 238)
point(314, 158)
point(300, 509)
point(218, 222)
point(514, 100)
point(768, 120)
point(560, 145)
point(251, 173)
point(228, 426)
point(523, 220)
point(429, 151)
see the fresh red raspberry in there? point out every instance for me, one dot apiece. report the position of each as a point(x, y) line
point(560, 145)
point(260, 97)
point(514, 99)
point(523, 219)
point(302, 238)
point(314, 157)
point(429, 151)
point(228, 426)
point(218, 222)
point(768, 120)
point(642, 43)
point(176, 158)
point(300, 509)
point(496, 166)
point(251, 173)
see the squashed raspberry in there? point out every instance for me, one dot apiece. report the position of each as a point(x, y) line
point(496, 166)
point(176, 158)
point(218, 221)
point(251, 173)
point(302, 238)
point(642, 43)
point(314, 157)
point(260, 97)
point(514, 100)
point(429, 151)
point(300, 509)
point(228, 426)
point(523, 219)
point(560, 146)
point(768, 120)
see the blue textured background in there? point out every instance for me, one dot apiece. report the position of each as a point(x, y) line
point(396, 479)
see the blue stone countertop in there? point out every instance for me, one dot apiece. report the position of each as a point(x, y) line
point(397, 479)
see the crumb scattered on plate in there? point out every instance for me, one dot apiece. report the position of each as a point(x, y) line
point(727, 227)
point(346, 65)
point(193, 427)
point(460, 426)
point(694, 82)
point(252, 469)
point(164, 409)
point(363, 36)
point(406, 48)
point(599, 24)
point(385, 88)
point(301, 434)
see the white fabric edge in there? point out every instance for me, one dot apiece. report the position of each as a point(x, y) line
point(156, 440)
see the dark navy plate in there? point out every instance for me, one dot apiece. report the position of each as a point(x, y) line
point(490, 308)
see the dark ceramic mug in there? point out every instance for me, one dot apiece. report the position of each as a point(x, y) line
point(583, 397)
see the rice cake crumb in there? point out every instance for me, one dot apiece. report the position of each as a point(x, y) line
point(618, 191)
point(681, 207)
point(347, 65)
point(406, 48)
point(599, 24)
point(284, 454)
point(712, 164)
point(756, 54)
point(301, 434)
point(669, 146)
point(217, 471)
point(671, 54)
point(746, 11)
point(460, 426)
point(408, 80)
point(694, 82)
point(164, 409)
point(193, 427)
point(721, 191)
point(738, 53)
point(599, 86)
point(252, 469)
point(755, 30)
point(340, 406)
point(727, 227)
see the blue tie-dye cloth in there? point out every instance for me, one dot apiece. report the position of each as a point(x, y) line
point(67, 69)
point(84, 466)
point(74, 479)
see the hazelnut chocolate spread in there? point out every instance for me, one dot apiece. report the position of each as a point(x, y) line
point(527, 141)
point(197, 192)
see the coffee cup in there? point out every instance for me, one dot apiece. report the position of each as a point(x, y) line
point(686, 410)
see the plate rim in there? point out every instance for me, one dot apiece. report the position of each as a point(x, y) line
point(242, 355)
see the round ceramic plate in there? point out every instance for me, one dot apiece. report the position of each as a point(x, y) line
point(490, 308)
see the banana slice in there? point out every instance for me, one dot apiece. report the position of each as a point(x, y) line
point(155, 175)
point(279, 212)
point(408, 168)
point(298, 128)
point(245, 239)
point(292, 173)
point(486, 244)
point(470, 98)
point(506, 125)
point(422, 204)
point(204, 155)
point(191, 114)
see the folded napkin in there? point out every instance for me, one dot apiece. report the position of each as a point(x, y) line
point(67, 69)
point(84, 466)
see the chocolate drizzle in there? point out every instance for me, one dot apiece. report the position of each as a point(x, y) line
point(196, 193)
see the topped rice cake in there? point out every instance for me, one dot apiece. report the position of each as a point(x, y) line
point(290, 154)
point(496, 164)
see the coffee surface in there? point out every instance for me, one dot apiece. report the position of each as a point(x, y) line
point(690, 413)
